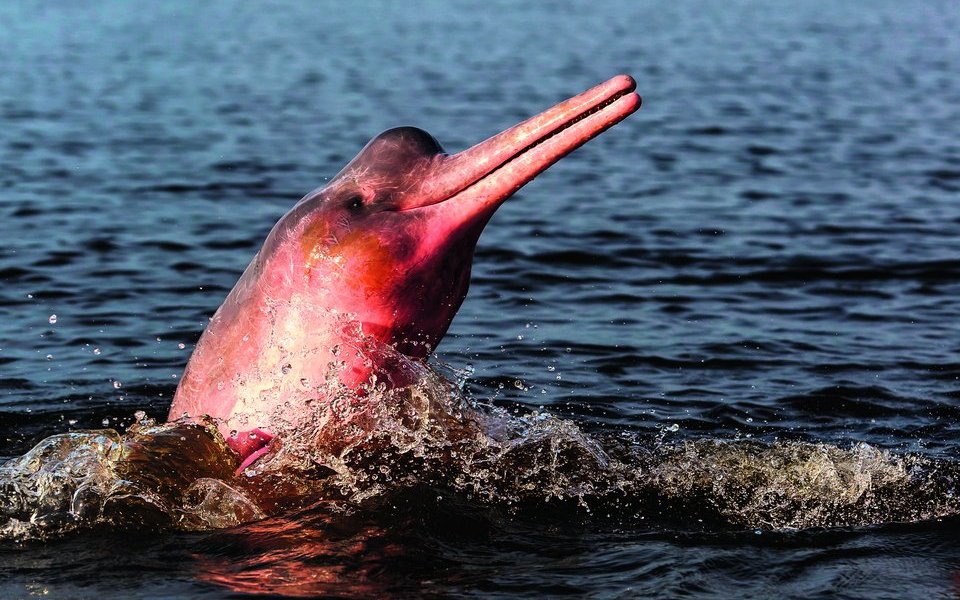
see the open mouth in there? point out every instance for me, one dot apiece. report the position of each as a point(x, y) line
point(577, 137)
point(494, 169)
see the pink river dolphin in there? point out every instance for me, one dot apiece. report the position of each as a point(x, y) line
point(380, 255)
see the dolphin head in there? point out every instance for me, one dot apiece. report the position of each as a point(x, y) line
point(390, 239)
point(376, 244)
point(387, 243)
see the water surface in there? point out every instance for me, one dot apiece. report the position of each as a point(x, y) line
point(767, 252)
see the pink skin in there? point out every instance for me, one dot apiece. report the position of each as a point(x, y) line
point(389, 242)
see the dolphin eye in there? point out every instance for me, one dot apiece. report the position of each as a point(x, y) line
point(355, 204)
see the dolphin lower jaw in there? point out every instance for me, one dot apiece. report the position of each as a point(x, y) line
point(489, 192)
point(473, 183)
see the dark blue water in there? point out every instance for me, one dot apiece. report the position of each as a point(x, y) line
point(769, 252)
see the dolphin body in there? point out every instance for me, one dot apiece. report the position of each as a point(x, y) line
point(380, 255)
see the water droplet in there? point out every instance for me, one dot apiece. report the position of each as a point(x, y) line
point(105, 422)
point(304, 382)
point(117, 385)
point(673, 427)
point(96, 351)
point(181, 345)
point(233, 434)
point(286, 368)
point(72, 421)
point(551, 368)
point(52, 319)
point(49, 357)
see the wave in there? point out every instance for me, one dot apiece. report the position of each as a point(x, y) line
point(431, 435)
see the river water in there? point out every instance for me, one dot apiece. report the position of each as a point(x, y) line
point(740, 305)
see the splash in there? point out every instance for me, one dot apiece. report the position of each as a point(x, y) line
point(387, 438)
point(362, 447)
point(151, 476)
point(798, 485)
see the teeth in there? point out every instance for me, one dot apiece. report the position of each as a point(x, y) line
point(596, 109)
point(566, 126)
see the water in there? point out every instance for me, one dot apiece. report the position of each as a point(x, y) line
point(753, 277)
